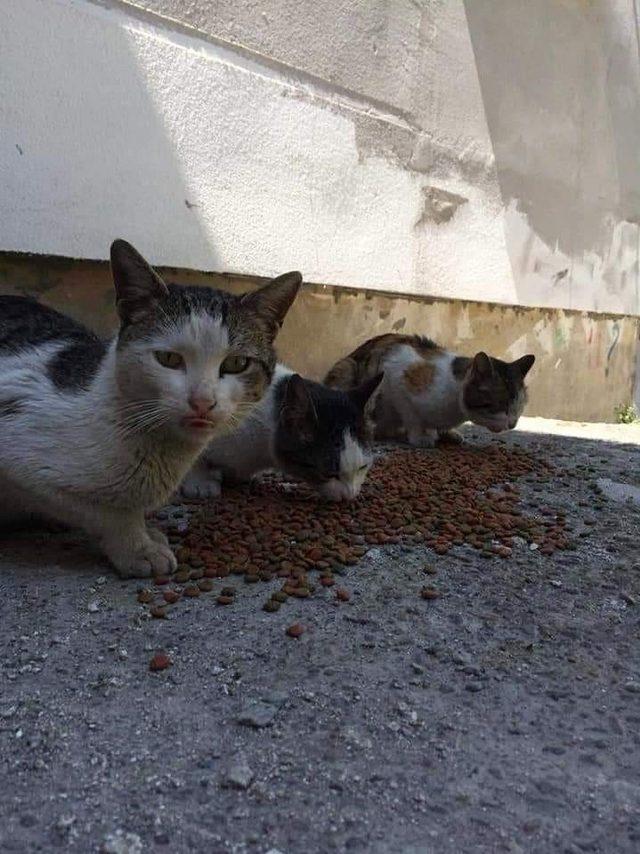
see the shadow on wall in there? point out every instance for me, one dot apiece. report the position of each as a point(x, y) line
point(94, 143)
point(560, 86)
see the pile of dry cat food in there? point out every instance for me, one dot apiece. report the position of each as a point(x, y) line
point(275, 530)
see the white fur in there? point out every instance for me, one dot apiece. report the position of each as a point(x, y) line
point(354, 467)
point(100, 458)
point(422, 415)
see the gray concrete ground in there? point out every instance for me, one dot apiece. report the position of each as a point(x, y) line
point(503, 716)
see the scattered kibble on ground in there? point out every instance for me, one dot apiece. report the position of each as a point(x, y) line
point(274, 530)
point(295, 630)
point(160, 661)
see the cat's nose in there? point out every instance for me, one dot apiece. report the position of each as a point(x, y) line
point(201, 405)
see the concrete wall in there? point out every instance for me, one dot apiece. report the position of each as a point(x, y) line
point(481, 150)
point(585, 361)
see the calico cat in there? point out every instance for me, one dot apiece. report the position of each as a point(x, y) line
point(94, 433)
point(300, 427)
point(427, 391)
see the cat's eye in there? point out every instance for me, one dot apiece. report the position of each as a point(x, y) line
point(234, 364)
point(169, 359)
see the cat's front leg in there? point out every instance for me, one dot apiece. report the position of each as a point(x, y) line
point(450, 437)
point(202, 482)
point(131, 547)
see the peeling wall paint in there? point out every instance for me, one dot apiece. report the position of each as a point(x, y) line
point(585, 363)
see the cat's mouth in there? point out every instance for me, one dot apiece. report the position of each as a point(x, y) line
point(193, 422)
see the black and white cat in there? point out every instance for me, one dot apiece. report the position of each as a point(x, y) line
point(302, 428)
point(94, 433)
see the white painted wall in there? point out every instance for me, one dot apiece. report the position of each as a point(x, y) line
point(481, 150)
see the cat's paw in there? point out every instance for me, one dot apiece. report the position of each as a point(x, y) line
point(194, 488)
point(450, 437)
point(158, 536)
point(152, 558)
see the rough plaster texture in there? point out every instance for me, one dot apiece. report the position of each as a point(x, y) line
point(259, 136)
point(585, 361)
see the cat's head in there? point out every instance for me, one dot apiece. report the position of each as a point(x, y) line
point(493, 392)
point(192, 360)
point(322, 435)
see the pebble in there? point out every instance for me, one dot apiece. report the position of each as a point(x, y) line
point(238, 775)
point(122, 843)
point(632, 686)
point(258, 714)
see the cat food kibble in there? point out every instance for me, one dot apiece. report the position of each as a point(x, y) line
point(295, 630)
point(159, 612)
point(449, 498)
point(191, 590)
point(160, 661)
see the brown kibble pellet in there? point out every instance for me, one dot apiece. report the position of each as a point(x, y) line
point(161, 579)
point(429, 593)
point(196, 574)
point(271, 605)
point(192, 590)
point(453, 498)
point(280, 596)
point(228, 591)
point(171, 596)
point(295, 630)
point(181, 576)
point(206, 585)
point(145, 596)
point(160, 661)
point(158, 611)
point(225, 600)
point(342, 595)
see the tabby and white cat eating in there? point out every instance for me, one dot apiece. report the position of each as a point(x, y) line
point(427, 391)
point(302, 428)
point(95, 433)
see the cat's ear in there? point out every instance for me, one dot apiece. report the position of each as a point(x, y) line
point(138, 287)
point(364, 395)
point(272, 302)
point(298, 413)
point(524, 364)
point(481, 367)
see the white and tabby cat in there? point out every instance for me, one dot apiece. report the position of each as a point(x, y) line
point(302, 428)
point(94, 433)
point(427, 391)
